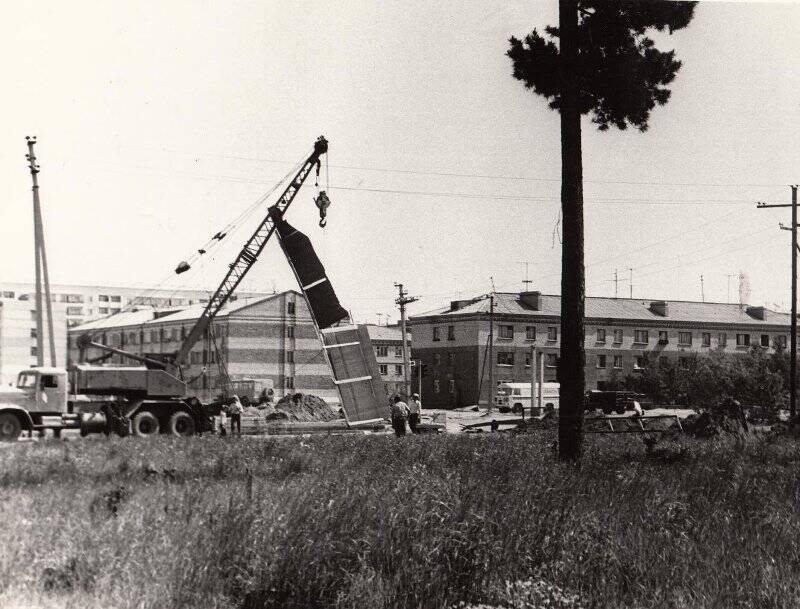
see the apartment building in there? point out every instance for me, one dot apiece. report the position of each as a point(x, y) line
point(271, 340)
point(621, 335)
point(18, 344)
point(388, 344)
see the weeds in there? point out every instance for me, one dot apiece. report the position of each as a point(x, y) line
point(351, 522)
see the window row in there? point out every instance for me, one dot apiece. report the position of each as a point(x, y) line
point(384, 369)
point(437, 386)
point(437, 333)
point(383, 351)
point(506, 358)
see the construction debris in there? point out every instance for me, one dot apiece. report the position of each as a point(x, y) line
point(303, 407)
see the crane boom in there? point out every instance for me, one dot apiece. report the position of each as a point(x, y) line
point(248, 255)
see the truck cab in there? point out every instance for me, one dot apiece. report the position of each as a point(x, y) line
point(39, 392)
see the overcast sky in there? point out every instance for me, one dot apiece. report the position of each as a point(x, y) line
point(160, 122)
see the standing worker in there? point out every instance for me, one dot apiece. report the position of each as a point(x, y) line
point(236, 410)
point(399, 410)
point(414, 412)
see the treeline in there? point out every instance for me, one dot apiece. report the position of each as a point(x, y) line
point(756, 378)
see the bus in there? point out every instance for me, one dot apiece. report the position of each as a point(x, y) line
point(516, 397)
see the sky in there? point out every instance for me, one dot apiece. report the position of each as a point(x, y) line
point(159, 123)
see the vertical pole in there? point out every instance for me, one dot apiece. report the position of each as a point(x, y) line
point(403, 299)
point(702, 290)
point(492, 389)
point(419, 379)
point(631, 270)
point(616, 284)
point(38, 261)
point(793, 338)
point(534, 374)
point(541, 383)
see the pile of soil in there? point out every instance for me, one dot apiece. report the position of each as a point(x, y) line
point(709, 424)
point(548, 421)
point(302, 407)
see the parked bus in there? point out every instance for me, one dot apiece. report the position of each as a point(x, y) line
point(516, 397)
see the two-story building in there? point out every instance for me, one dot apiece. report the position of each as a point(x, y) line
point(270, 339)
point(621, 335)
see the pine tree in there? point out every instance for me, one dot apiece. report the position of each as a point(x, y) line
point(604, 65)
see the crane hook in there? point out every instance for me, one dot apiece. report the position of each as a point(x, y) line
point(322, 202)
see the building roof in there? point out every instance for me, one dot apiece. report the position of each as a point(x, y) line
point(632, 309)
point(149, 315)
point(387, 333)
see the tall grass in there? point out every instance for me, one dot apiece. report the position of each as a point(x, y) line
point(354, 522)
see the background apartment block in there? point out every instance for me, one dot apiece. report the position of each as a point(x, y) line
point(72, 305)
point(621, 336)
point(270, 339)
point(388, 344)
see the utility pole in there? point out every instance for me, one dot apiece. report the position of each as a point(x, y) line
point(402, 300)
point(702, 290)
point(41, 266)
point(793, 332)
point(616, 284)
point(491, 351)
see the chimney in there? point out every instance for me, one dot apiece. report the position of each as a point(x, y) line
point(531, 299)
point(757, 313)
point(660, 307)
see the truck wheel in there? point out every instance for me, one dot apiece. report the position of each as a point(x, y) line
point(620, 410)
point(10, 427)
point(607, 411)
point(181, 423)
point(145, 424)
point(517, 409)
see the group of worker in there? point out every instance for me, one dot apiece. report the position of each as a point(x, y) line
point(402, 412)
point(233, 409)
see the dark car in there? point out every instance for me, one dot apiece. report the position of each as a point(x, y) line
point(615, 401)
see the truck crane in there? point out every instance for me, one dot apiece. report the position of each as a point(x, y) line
point(154, 398)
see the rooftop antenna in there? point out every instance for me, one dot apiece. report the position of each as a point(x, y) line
point(379, 317)
point(526, 282)
point(631, 270)
point(616, 284)
point(702, 290)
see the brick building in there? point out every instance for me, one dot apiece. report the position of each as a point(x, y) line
point(269, 339)
point(621, 334)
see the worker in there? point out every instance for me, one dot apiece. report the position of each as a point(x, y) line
point(637, 409)
point(399, 410)
point(414, 412)
point(235, 410)
point(223, 422)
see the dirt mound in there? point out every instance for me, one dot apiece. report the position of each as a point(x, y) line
point(302, 407)
point(709, 424)
point(548, 421)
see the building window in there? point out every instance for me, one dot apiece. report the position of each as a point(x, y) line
point(528, 359)
point(640, 337)
point(641, 362)
point(742, 340)
point(398, 351)
point(102, 298)
point(706, 339)
point(382, 350)
point(116, 299)
point(8, 294)
point(153, 336)
point(103, 310)
point(684, 338)
point(530, 332)
point(132, 338)
point(34, 351)
point(74, 311)
point(663, 337)
point(437, 359)
point(617, 362)
point(601, 335)
point(552, 333)
point(290, 382)
point(505, 358)
point(437, 333)
point(398, 370)
point(290, 308)
point(451, 358)
point(451, 332)
point(436, 385)
point(114, 311)
point(506, 332)
point(33, 315)
point(290, 357)
point(551, 361)
point(451, 386)
point(601, 361)
point(289, 331)
point(722, 339)
point(779, 342)
point(384, 369)
point(33, 333)
point(765, 340)
point(617, 336)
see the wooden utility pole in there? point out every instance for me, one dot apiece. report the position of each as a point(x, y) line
point(41, 266)
point(402, 300)
point(702, 290)
point(793, 331)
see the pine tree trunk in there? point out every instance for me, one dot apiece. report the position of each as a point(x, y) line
point(573, 358)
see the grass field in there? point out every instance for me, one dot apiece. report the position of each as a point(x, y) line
point(373, 521)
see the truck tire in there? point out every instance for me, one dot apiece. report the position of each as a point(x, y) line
point(181, 424)
point(620, 409)
point(517, 409)
point(10, 427)
point(145, 424)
